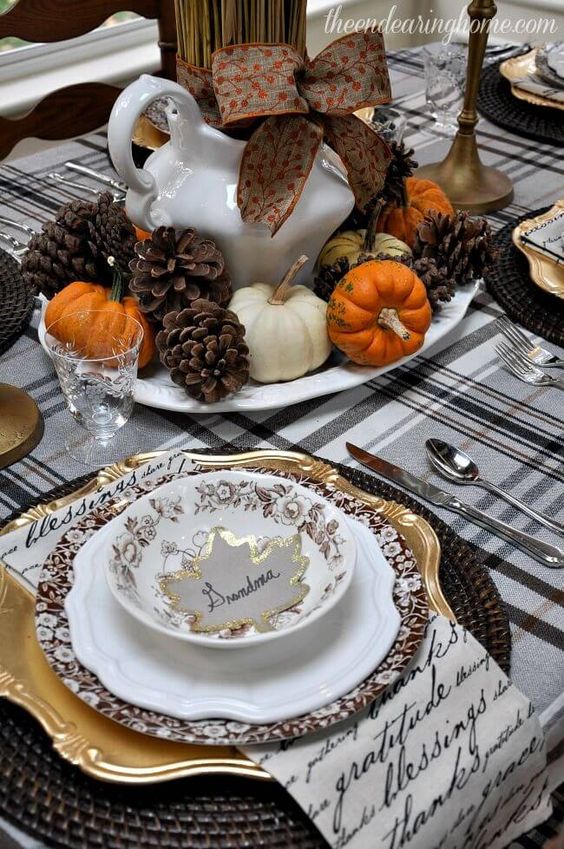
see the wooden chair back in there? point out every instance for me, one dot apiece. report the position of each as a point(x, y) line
point(84, 107)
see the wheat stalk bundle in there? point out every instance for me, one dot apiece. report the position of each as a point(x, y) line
point(206, 25)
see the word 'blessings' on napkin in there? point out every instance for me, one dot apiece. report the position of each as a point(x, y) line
point(452, 755)
point(24, 550)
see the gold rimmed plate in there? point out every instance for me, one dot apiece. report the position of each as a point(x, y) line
point(545, 272)
point(101, 747)
point(517, 68)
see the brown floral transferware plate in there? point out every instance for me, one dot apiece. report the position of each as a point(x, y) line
point(54, 638)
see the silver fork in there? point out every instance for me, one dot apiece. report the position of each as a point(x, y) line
point(526, 370)
point(521, 343)
point(58, 178)
point(17, 248)
point(16, 225)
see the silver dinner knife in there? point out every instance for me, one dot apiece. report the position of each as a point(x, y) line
point(96, 175)
point(550, 555)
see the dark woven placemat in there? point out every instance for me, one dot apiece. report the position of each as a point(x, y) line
point(52, 800)
point(16, 302)
point(498, 105)
point(523, 301)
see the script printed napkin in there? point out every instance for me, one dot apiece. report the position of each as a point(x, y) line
point(24, 550)
point(452, 756)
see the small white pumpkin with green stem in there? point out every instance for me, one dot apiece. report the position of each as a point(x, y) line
point(285, 328)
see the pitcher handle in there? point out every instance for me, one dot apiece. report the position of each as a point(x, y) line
point(129, 106)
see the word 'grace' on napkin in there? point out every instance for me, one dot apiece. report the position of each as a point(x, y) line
point(452, 756)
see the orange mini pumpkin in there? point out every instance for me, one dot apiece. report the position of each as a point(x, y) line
point(91, 335)
point(420, 197)
point(140, 234)
point(378, 313)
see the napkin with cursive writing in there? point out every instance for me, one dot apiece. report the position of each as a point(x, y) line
point(452, 755)
point(24, 550)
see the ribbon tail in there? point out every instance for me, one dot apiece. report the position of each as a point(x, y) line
point(276, 163)
point(365, 154)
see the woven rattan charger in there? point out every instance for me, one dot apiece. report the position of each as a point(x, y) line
point(55, 802)
point(509, 282)
point(498, 105)
point(16, 302)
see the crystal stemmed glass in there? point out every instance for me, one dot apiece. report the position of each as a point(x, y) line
point(445, 78)
point(98, 382)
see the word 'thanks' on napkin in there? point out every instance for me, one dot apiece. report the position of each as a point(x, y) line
point(452, 755)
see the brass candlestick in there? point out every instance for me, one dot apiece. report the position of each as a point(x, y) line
point(468, 183)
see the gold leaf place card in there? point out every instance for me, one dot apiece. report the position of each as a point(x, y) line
point(235, 582)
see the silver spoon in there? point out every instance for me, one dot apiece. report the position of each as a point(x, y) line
point(458, 467)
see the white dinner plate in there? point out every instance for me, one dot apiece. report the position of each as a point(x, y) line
point(262, 684)
point(155, 389)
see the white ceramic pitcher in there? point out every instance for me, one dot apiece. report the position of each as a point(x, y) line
point(192, 182)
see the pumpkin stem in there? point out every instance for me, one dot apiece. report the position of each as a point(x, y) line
point(117, 282)
point(370, 237)
point(281, 292)
point(389, 319)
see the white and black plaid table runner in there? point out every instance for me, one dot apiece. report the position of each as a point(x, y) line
point(458, 392)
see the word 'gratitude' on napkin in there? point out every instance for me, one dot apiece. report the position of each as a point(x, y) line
point(452, 755)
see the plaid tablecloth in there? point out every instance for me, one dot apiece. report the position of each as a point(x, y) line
point(458, 392)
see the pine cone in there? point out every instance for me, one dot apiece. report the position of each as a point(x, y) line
point(171, 272)
point(328, 277)
point(440, 287)
point(77, 244)
point(401, 167)
point(460, 245)
point(111, 232)
point(203, 347)
point(75, 215)
point(55, 257)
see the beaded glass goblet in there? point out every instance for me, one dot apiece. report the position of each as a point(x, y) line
point(97, 373)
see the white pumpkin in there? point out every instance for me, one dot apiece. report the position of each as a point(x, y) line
point(285, 328)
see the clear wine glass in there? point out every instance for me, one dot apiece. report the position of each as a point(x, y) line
point(97, 380)
point(445, 78)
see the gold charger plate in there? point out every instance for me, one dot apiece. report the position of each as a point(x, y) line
point(21, 424)
point(546, 273)
point(521, 66)
point(102, 748)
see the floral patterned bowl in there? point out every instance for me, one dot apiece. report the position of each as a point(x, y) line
point(199, 537)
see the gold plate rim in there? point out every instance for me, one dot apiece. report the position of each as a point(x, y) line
point(24, 428)
point(540, 266)
point(77, 731)
point(514, 68)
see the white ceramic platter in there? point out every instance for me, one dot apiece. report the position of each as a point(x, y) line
point(157, 390)
point(267, 683)
point(166, 530)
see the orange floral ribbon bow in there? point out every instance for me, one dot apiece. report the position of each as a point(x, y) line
point(302, 102)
